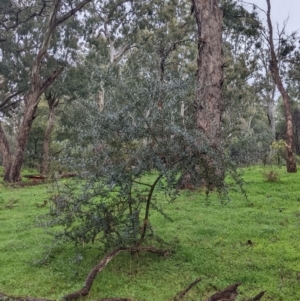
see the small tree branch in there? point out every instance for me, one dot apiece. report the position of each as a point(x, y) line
point(35, 72)
point(51, 78)
point(257, 297)
point(147, 211)
point(17, 19)
point(120, 53)
point(72, 12)
point(4, 104)
point(181, 294)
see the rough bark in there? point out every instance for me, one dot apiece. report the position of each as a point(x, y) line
point(209, 100)
point(6, 153)
point(290, 158)
point(52, 104)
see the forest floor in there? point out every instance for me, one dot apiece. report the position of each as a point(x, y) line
point(253, 240)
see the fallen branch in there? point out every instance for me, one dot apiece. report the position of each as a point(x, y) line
point(257, 297)
point(181, 294)
point(101, 265)
point(228, 294)
point(4, 297)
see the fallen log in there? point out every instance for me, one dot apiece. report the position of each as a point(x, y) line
point(35, 177)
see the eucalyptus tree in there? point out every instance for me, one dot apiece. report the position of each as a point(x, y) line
point(34, 54)
point(53, 102)
point(158, 27)
point(274, 69)
point(240, 33)
point(209, 103)
point(265, 86)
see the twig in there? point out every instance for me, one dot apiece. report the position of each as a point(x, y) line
point(257, 297)
point(181, 294)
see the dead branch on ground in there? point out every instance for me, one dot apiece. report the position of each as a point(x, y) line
point(181, 294)
point(228, 294)
point(102, 264)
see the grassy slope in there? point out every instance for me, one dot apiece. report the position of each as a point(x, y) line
point(255, 242)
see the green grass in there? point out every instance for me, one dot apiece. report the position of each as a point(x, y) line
point(254, 241)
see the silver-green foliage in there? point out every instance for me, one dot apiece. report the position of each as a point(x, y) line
point(130, 157)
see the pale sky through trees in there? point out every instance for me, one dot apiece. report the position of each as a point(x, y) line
point(280, 10)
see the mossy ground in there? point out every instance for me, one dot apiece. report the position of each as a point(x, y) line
point(254, 241)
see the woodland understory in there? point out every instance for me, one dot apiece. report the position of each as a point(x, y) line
point(121, 104)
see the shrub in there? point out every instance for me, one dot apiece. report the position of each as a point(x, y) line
point(130, 156)
point(278, 152)
point(271, 176)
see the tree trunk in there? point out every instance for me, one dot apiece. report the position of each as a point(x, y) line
point(270, 106)
point(52, 103)
point(6, 153)
point(38, 86)
point(22, 138)
point(209, 101)
point(290, 158)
